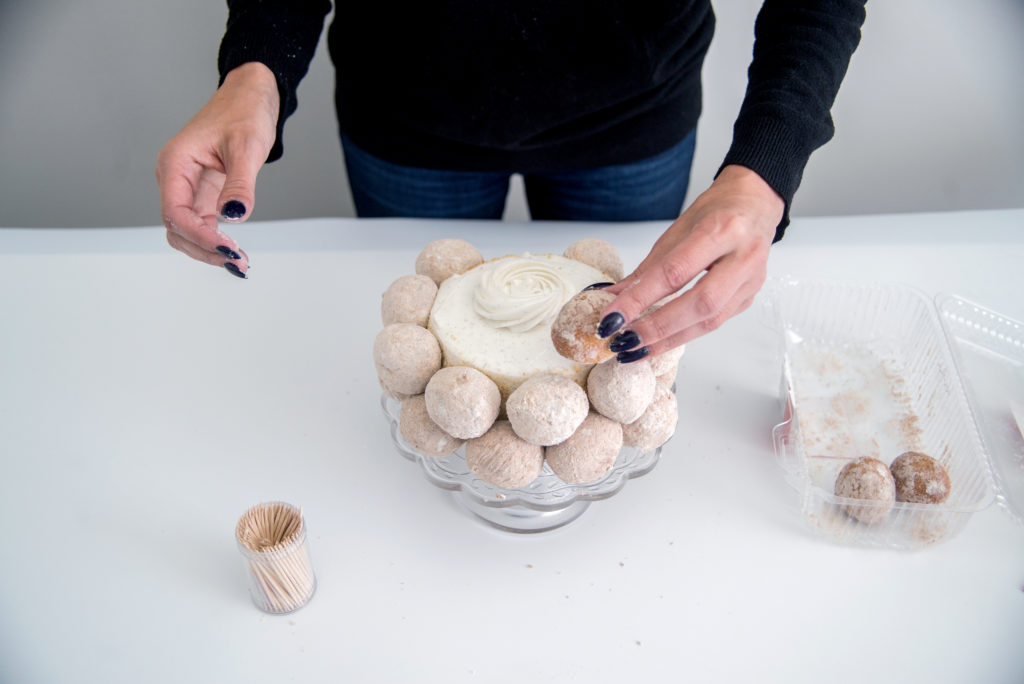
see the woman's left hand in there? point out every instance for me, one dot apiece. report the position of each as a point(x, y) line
point(726, 234)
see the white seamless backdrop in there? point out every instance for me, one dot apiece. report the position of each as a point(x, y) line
point(927, 119)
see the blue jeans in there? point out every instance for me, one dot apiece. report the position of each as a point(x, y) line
point(647, 190)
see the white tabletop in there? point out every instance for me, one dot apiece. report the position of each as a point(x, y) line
point(146, 401)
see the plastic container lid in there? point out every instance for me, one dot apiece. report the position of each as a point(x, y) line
point(988, 349)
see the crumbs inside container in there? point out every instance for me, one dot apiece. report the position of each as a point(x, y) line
point(852, 404)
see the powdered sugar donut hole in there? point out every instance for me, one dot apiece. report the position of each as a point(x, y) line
point(666, 364)
point(441, 259)
point(621, 391)
point(397, 396)
point(598, 253)
point(574, 331)
point(422, 433)
point(406, 357)
point(462, 401)
point(501, 458)
point(589, 454)
point(547, 409)
point(408, 300)
point(657, 424)
point(869, 479)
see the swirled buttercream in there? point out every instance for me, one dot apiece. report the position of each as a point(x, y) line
point(520, 293)
point(507, 356)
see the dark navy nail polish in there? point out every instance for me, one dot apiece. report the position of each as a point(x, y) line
point(228, 252)
point(634, 355)
point(233, 210)
point(234, 270)
point(610, 324)
point(625, 341)
point(597, 286)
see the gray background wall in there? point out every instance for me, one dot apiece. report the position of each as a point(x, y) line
point(929, 117)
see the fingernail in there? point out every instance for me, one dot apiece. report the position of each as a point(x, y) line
point(610, 324)
point(228, 252)
point(233, 269)
point(597, 286)
point(624, 341)
point(233, 210)
point(631, 356)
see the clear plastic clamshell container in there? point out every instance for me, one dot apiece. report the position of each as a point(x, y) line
point(868, 371)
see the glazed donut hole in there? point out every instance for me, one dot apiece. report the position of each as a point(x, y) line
point(868, 479)
point(444, 258)
point(574, 330)
point(406, 356)
point(919, 478)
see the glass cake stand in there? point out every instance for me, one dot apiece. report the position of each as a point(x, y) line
point(544, 504)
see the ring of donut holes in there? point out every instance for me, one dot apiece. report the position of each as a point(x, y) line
point(578, 431)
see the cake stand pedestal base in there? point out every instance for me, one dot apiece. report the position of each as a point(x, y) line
point(521, 519)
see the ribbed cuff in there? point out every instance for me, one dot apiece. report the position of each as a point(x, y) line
point(769, 147)
point(286, 106)
point(281, 35)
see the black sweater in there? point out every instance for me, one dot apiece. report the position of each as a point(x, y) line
point(538, 85)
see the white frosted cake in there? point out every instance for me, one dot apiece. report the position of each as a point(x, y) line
point(496, 317)
point(468, 349)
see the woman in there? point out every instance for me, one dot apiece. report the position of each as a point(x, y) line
point(595, 103)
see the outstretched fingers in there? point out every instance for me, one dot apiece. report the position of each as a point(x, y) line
point(737, 306)
point(664, 273)
point(726, 234)
point(704, 307)
point(649, 317)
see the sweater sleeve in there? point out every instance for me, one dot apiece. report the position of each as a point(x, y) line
point(282, 34)
point(801, 52)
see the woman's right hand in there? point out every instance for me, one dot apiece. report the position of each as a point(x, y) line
point(208, 170)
